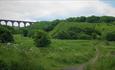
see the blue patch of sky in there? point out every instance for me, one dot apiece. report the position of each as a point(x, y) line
point(110, 2)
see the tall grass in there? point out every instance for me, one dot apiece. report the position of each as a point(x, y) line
point(25, 56)
point(106, 60)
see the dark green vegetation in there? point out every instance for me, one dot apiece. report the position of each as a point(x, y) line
point(5, 35)
point(72, 30)
point(92, 19)
point(110, 36)
point(74, 41)
point(24, 32)
point(80, 30)
point(41, 39)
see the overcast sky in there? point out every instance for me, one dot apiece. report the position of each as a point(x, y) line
point(35, 10)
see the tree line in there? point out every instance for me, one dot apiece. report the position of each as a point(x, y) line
point(92, 19)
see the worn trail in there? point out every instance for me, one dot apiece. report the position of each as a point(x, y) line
point(82, 66)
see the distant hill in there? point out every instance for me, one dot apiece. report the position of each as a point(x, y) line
point(40, 25)
point(44, 25)
point(65, 26)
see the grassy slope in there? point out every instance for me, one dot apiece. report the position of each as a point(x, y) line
point(59, 54)
point(39, 25)
point(103, 27)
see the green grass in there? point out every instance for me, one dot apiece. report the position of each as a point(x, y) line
point(61, 53)
point(23, 55)
point(106, 60)
point(39, 25)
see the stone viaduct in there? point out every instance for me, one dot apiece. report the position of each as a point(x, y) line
point(16, 21)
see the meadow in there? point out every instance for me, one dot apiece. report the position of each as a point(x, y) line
point(106, 57)
point(74, 46)
point(61, 53)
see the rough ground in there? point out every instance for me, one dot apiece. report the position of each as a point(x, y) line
point(82, 66)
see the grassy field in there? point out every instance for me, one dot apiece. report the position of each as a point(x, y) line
point(61, 53)
point(106, 58)
point(64, 53)
point(94, 54)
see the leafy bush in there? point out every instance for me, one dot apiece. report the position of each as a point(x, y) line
point(110, 36)
point(84, 36)
point(5, 35)
point(65, 35)
point(41, 39)
point(92, 32)
point(3, 65)
point(11, 29)
point(31, 33)
point(25, 32)
point(78, 33)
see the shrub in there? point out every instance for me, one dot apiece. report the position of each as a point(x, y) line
point(92, 32)
point(63, 35)
point(5, 35)
point(84, 36)
point(11, 29)
point(25, 32)
point(31, 33)
point(71, 33)
point(3, 65)
point(41, 39)
point(78, 33)
point(110, 36)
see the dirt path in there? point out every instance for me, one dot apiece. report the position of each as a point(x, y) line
point(96, 56)
point(82, 66)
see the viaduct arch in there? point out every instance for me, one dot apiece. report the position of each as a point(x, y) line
point(16, 21)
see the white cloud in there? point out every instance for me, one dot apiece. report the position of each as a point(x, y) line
point(51, 9)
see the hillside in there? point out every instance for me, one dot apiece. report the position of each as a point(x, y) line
point(44, 25)
point(99, 26)
point(80, 27)
point(39, 25)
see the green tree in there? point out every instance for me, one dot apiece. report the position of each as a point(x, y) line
point(5, 35)
point(41, 39)
point(110, 36)
point(25, 32)
point(71, 19)
point(81, 19)
point(93, 19)
point(107, 19)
